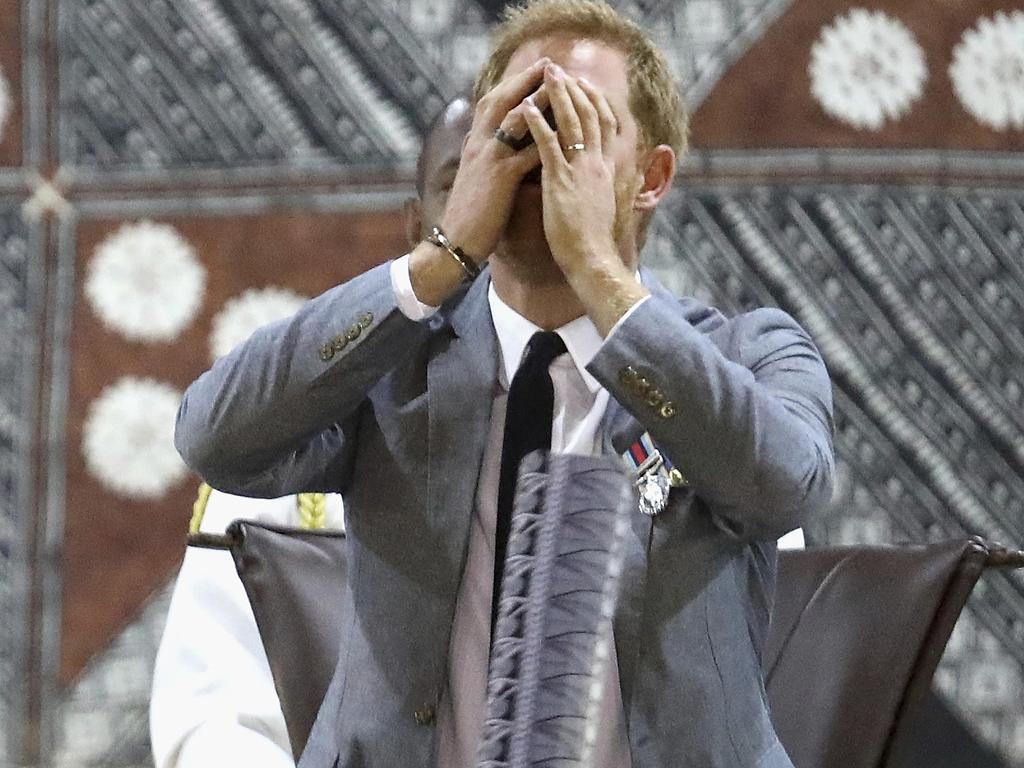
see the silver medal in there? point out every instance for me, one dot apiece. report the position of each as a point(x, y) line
point(653, 488)
point(653, 477)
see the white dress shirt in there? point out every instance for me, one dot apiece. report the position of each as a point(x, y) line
point(213, 700)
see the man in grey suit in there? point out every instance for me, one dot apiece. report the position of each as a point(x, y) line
point(393, 390)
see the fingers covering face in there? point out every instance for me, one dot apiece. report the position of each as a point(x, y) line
point(545, 138)
point(506, 95)
point(514, 123)
point(581, 112)
point(588, 118)
point(570, 128)
point(606, 118)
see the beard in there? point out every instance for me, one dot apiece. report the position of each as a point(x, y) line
point(624, 226)
point(524, 245)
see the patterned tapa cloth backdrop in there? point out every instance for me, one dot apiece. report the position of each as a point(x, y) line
point(173, 174)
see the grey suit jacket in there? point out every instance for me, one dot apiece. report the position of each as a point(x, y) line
point(350, 395)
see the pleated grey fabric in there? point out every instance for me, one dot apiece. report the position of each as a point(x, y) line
point(552, 636)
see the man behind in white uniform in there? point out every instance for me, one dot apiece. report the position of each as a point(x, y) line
point(213, 700)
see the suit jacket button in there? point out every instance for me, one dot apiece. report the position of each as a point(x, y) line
point(340, 342)
point(366, 319)
point(353, 332)
point(668, 410)
point(424, 715)
point(628, 375)
point(326, 352)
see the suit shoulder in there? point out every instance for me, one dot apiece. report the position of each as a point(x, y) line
point(764, 320)
point(771, 316)
point(701, 316)
point(769, 334)
point(749, 336)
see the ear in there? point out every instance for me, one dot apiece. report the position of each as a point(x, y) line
point(657, 180)
point(413, 221)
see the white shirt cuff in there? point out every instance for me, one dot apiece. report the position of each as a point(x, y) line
point(622, 319)
point(401, 282)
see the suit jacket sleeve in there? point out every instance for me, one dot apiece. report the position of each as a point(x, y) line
point(751, 431)
point(279, 413)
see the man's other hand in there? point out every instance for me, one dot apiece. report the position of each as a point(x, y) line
point(578, 176)
point(490, 172)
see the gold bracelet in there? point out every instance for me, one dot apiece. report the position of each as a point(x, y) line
point(438, 238)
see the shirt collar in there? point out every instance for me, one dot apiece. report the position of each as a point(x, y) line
point(514, 332)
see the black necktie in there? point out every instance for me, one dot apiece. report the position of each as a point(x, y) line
point(531, 403)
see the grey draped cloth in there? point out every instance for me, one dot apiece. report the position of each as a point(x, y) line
point(553, 633)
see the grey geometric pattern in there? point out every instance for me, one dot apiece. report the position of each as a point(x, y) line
point(18, 268)
point(703, 38)
point(985, 684)
point(153, 85)
point(182, 85)
point(104, 720)
point(421, 52)
point(911, 295)
point(14, 326)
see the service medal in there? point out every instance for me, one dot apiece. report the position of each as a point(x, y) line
point(654, 488)
point(652, 474)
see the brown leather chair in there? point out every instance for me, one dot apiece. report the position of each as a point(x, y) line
point(856, 632)
point(294, 578)
point(856, 635)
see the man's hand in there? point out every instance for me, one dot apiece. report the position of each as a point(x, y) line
point(490, 171)
point(578, 184)
point(579, 196)
point(485, 186)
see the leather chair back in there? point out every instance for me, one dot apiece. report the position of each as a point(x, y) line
point(294, 578)
point(855, 637)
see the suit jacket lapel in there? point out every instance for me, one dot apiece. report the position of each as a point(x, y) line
point(461, 376)
point(620, 431)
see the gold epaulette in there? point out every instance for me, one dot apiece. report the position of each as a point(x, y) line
point(313, 510)
point(199, 507)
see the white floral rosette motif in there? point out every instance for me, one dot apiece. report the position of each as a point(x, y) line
point(988, 71)
point(866, 68)
point(251, 310)
point(128, 438)
point(5, 102)
point(145, 282)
